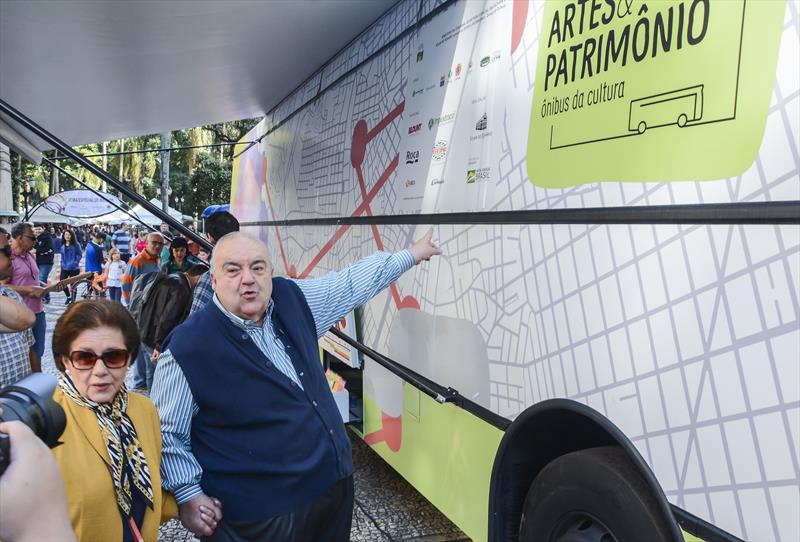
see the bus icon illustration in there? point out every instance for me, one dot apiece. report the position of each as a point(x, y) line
point(675, 107)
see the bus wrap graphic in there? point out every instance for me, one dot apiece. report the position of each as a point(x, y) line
point(677, 107)
point(618, 89)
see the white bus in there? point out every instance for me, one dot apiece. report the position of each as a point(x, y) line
point(608, 348)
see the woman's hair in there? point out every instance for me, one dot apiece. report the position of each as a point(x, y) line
point(112, 252)
point(72, 239)
point(86, 315)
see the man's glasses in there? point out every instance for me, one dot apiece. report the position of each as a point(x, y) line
point(31, 237)
point(113, 359)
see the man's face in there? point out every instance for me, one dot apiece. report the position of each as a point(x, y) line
point(154, 245)
point(164, 227)
point(5, 258)
point(242, 277)
point(26, 241)
point(37, 231)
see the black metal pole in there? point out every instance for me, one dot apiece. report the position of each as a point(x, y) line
point(79, 158)
point(145, 151)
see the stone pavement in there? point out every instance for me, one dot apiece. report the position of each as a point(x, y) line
point(387, 508)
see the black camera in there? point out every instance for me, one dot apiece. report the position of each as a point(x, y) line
point(30, 401)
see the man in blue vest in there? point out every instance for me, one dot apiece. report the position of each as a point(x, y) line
point(248, 422)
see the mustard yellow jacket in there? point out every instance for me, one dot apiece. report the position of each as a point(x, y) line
point(83, 459)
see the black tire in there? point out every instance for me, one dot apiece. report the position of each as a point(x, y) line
point(82, 291)
point(593, 495)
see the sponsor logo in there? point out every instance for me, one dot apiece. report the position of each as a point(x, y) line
point(412, 157)
point(458, 70)
point(414, 114)
point(439, 151)
point(444, 119)
point(449, 75)
point(420, 55)
point(478, 175)
point(479, 99)
point(410, 182)
point(441, 81)
point(485, 61)
point(482, 123)
point(414, 128)
point(416, 92)
point(436, 181)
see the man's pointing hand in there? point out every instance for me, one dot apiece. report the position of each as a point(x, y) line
point(424, 249)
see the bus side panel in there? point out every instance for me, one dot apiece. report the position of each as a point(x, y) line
point(446, 454)
point(686, 337)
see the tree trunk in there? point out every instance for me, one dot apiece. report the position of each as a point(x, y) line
point(121, 161)
point(55, 184)
point(166, 139)
point(105, 164)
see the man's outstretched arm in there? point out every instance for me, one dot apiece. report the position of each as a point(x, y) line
point(336, 294)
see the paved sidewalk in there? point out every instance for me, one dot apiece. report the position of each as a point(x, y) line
point(387, 508)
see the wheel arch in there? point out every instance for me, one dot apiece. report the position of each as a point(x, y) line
point(535, 438)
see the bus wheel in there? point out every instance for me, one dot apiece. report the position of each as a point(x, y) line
point(642, 127)
point(593, 495)
point(682, 120)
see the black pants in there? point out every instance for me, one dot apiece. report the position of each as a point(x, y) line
point(325, 519)
point(66, 273)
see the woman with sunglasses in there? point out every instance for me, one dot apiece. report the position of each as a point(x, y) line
point(111, 452)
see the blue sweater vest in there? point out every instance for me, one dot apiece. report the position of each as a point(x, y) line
point(266, 446)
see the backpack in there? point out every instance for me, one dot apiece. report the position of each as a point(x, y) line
point(140, 292)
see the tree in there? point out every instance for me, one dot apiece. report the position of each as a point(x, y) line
point(209, 184)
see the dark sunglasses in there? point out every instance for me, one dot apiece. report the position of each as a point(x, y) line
point(31, 237)
point(113, 359)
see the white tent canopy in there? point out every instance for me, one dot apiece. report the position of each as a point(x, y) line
point(148, 218)
point(43, 215)
point(117, 217)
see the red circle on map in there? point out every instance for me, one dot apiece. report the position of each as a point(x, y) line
point(359, 147)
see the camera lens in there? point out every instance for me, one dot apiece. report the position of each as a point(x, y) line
point(30, 401)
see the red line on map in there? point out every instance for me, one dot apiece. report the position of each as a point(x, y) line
point(277, 232)
point(358, 150)
point(518, 17)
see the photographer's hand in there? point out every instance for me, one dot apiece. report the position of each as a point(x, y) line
point(33, 505)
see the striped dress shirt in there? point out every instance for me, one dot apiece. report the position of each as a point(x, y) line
point(329, 298)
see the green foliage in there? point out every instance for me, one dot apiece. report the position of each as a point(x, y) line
point(198, 177)
point(209, 184)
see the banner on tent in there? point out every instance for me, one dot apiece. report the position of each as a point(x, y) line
point(82, 203)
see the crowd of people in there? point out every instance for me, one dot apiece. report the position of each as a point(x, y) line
point(240, 436)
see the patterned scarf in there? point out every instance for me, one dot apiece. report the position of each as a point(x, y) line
point(121, 442)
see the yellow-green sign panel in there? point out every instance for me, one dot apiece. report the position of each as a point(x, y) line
point(651, 90)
